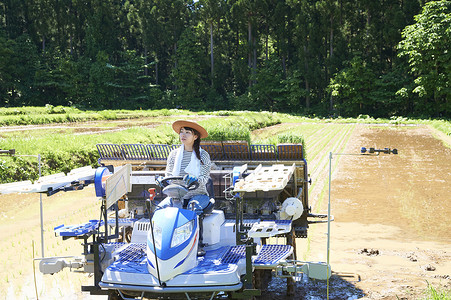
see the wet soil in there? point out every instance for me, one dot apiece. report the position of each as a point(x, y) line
point(391, 235)
point(409, 190)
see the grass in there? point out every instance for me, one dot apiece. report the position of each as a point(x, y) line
point(50, 114)
point(65, 149)
point(433, 293)
point(219, 129)
point(441, 125)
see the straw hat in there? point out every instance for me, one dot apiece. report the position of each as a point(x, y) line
point(182, 123)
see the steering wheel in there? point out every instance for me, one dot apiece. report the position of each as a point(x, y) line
point(166, 181)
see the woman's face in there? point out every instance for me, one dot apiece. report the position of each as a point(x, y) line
point(187, 137)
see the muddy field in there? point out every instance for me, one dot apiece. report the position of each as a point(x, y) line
point(391, 235)
point(390, 238)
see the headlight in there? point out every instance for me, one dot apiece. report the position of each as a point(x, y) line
point(157, 235)
point(182, 233)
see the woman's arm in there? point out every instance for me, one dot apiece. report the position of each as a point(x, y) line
point(170, 163)
point(205, 167)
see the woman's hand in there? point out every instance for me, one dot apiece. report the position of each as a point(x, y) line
point(189, 179)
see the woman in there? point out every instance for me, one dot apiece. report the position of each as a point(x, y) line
point(190, 161)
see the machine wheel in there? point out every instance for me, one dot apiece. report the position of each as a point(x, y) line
point(261, 280)
point(291, 240)
point(291, 286)
point(257, 279)
point(128, 234)
point(114, 295)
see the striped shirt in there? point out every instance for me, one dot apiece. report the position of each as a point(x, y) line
point(205, 167)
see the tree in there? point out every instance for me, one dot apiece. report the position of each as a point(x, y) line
point(18, 63)
point(101, 76)
point(310, 35)
point(265, 92)
point(89, 53)
point(51, 80)
point(352, 88)
point(189, 75)
point(426, 45)
point(212, 10)
point(102, 32)
point(130, 85)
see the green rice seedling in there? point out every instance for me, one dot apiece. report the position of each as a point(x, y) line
point(60, 114)
point(108, 115)
point(225, 130)
point(284, 135)
point(433, 294)
point(290, 137)
point(441, 125)
point(223, 113)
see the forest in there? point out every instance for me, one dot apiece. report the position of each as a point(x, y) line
point(381, 58)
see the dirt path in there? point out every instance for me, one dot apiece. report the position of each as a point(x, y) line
point(80, 128)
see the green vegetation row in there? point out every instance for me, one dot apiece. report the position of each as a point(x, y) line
point(63, 152)
point(36, 115)
point(63, 114)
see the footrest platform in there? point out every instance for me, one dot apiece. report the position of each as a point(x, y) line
point(270, 255)
point(269, 228)
point(88, 227)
